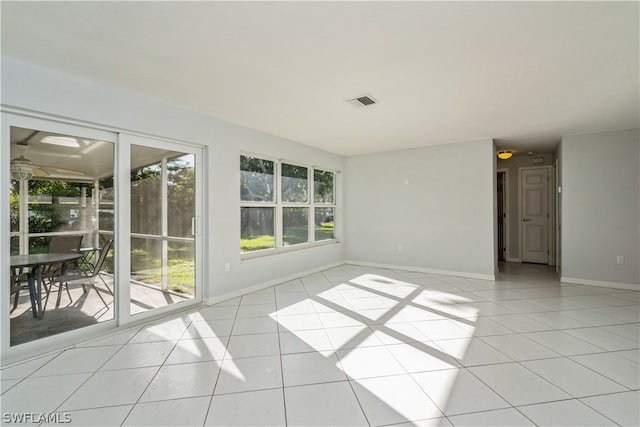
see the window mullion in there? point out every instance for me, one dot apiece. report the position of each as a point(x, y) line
point(278, 213)
point(24, 216)
point(312, 213)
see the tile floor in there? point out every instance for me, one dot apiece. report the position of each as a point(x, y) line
point(359, 346)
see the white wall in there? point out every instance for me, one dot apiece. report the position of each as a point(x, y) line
point(443, 217)
point(33, 88)
point(601, 207)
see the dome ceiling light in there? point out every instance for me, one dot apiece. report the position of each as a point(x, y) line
point(504, 154)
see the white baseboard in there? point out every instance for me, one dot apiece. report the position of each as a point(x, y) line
point(615, 285)
point(260, 286)
point(424, 270)
point(514, 260)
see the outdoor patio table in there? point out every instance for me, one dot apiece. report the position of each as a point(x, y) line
point(36, 263)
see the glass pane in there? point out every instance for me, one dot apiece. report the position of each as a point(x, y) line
point(257, 229)
point(59, 175)
point(146, 200)
point(181, 268)
point(324, 224)
point(14, 207)
point(295, 225)
point(15, 245)
point(256, 179)
point(146, 274)
point(109, 263)
point(294, 183)
point(181, 195)
point(147, 278)
point(146, 261)
point(106, 218)
point(57, 205)
point(323, 187)
point(162, 242)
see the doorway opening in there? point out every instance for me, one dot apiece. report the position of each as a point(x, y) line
point(502, 215)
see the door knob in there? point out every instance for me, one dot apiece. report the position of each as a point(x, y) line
point(526, 219)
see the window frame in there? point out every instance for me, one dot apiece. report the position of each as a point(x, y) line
point(278, 204)
point(282, 205)
point(261, 203)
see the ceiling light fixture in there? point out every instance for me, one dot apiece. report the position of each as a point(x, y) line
point(64, 141)
point(21, 168)
point(505, 154)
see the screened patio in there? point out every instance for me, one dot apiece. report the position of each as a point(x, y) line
point(63, 185)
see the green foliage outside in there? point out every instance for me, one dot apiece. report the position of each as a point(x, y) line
point(323, 182)
point(294, 185)
point(256, 179)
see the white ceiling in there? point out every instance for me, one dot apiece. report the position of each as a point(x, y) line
point(522, 73)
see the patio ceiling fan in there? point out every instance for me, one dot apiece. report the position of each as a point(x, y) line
point(23, 169)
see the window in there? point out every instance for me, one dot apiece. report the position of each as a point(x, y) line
point(324, 200)
point(257, 195)
point(278, 205)
point(295, 199)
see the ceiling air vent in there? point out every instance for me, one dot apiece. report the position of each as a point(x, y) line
point(362, 101)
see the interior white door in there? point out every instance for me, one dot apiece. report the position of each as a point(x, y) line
point(535, 215)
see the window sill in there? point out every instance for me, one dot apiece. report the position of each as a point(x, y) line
point(268, 253)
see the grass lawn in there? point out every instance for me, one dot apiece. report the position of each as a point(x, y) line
point(180, 269)
point(293, 236)
point(324, 231)
point(256, 243)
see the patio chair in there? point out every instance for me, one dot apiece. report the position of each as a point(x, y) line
point(17, 280)
point(76, 275)
point(62, 245)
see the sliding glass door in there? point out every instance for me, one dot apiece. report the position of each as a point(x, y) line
point(164, 225)
point(98, 228)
